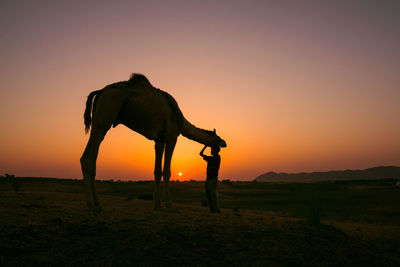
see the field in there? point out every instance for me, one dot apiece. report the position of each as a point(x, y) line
point(347, 223)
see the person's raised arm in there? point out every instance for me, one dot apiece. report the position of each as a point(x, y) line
point(202, 151)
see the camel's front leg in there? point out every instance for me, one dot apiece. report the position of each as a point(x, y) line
point(159, 148)
point(169, 150)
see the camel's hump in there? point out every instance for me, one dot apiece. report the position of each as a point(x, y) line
point(136, 80)
point(139, 78)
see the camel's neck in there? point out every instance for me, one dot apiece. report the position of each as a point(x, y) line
point(196, 134)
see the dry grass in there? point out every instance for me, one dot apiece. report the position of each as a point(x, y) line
point(42, 224)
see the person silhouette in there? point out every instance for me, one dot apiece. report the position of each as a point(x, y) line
point(213, 163)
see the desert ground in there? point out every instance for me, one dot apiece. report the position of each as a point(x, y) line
point(44, 222)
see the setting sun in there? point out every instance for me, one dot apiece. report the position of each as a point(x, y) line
point(180, 174)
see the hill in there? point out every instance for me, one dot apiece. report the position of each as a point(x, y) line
point(383, 172)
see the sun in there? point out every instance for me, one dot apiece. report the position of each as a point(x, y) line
point(180, 174)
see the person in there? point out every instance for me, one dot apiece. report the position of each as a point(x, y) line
point(213, 163)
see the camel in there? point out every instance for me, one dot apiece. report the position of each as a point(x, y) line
point(146, 110)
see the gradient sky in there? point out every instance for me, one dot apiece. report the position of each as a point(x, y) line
point(290, 85)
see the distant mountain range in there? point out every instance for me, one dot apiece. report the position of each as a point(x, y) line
point(383, 172)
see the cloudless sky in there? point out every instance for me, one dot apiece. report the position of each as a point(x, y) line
point(290, 85)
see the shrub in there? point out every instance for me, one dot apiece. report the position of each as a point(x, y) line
point(226, 181)
point(9, 176)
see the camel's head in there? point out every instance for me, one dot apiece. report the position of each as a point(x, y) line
point(219, 142)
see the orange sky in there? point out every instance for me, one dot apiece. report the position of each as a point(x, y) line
point(290, 87)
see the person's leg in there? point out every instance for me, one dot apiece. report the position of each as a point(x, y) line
point(214, 195)
point(210, 201)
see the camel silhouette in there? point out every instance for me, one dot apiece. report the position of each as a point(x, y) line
point(146, 110)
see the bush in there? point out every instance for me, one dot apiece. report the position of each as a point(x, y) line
point(9, 176)
point(226, 181)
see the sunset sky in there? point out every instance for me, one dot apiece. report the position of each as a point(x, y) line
point(290, 85)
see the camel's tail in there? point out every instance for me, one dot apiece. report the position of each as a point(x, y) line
point(87, 116)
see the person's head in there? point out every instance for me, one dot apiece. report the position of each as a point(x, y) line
point(215, 150)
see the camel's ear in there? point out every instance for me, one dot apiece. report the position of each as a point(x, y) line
point(215, 132)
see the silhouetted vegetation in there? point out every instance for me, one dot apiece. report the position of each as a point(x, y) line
point(15, 183)
point(7, 177)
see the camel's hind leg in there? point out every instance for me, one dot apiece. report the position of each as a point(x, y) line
point(88, 164)
point(104, 115)
point(159, 148)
